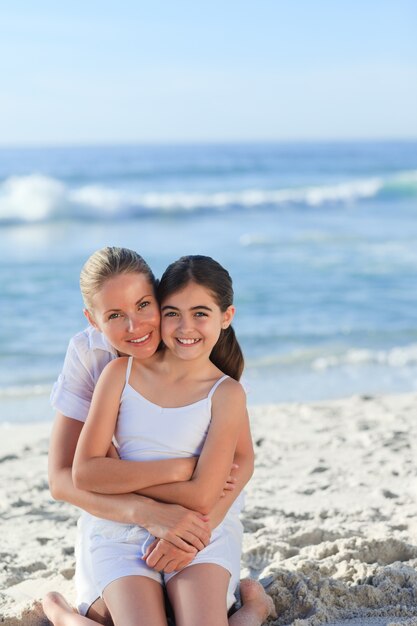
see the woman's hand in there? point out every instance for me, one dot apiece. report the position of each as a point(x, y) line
point(162, 556)
point(185, 529)
point(230, 483)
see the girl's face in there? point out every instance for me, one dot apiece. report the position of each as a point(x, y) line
point(126, 311)
point(192, 321)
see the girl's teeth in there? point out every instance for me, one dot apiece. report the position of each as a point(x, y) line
point(188, 341)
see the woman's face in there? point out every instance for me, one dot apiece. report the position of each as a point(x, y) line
point(126, 311)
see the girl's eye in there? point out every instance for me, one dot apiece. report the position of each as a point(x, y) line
point(170, 314)
point(201, 314)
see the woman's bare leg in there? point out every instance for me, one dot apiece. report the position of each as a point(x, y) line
point(136, 601)
point(256, 605)
point(60, 613)
point(198, 595)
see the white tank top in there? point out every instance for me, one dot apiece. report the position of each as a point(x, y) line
point(146, 431)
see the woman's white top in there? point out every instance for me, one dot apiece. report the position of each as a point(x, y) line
point(87, 355)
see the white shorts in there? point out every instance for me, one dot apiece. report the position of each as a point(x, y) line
point(224, 549)
point(85, 587)
point(106, 551)
point(117, 551)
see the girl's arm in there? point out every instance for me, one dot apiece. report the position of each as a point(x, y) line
point(203, 491)
point(176, 524)
point(245, 459)
point(92, 469)
point(162, 555)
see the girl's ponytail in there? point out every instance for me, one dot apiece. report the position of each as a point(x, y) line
point(227, 354)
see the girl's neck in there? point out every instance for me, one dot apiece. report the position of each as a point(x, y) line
point(171, 365)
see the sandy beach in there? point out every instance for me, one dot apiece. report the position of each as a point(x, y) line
point(330, 519)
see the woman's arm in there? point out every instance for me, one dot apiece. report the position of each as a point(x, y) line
point(203, 491)
point(92, 470)
point(176, 524)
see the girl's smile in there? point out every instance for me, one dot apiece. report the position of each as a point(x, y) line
point(187, 342)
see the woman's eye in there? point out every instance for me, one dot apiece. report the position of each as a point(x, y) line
point(144, 304)
point(114, 316)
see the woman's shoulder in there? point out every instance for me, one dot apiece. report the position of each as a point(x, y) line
point(90, 340)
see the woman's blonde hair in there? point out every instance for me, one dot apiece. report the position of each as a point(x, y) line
point(108, 263)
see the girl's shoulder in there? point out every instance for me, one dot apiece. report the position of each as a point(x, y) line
point(116, 367)
point(230, 388)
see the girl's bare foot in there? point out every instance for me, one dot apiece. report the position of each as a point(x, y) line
point(56, 608)
point(253, 595)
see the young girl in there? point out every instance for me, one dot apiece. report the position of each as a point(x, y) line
point(120, 304)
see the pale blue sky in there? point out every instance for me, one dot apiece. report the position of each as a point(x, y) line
point(91, 71)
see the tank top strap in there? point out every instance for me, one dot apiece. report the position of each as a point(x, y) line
point(216, 384)
point(128, 369)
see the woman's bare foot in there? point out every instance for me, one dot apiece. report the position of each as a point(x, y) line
point(56, 608)
point(253, 595)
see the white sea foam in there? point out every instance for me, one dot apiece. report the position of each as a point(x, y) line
point(395, 357)
point(317, 359)
point(38, 198)
point(25, 391)
point(32, 198)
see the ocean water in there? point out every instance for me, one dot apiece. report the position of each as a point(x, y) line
point(320, 239)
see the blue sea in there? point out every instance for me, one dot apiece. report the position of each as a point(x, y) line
point(320, 239)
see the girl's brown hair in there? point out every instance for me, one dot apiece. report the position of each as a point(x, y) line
point(205, 271)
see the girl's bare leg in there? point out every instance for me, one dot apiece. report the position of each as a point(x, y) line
point(99, 613)
point(198, 595)
point(136, 601)
point(256, 605)
point(60, 613)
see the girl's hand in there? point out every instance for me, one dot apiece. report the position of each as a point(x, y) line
point(163, 556)
point(230, 481)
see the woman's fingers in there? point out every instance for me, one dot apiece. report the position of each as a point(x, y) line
point(230, 484)
point(230, 480)
point(176, 523)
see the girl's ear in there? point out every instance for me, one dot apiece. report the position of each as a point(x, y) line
point(90, 318)
point(228, 316)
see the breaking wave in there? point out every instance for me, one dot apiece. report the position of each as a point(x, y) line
point(38, 198)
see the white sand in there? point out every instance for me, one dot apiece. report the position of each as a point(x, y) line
point(330, 518)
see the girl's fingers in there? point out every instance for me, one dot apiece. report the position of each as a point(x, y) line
point(150, 548)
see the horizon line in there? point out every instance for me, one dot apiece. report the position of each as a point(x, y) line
point(199, 142)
